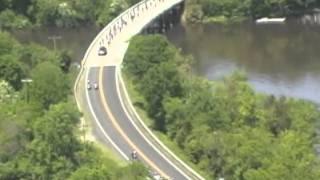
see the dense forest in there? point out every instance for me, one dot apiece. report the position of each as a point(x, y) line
point(238, 10)
point(224, 127)
point(40, 137)
point(39, 121)
point(60, 13)
point(73, 13)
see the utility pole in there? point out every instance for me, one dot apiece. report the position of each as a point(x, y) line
point(27, 82)
point(84, 129)
point(54, 40)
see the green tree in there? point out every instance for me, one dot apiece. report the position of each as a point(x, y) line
point(291, 158)
point(132, 2)
point(88, 10)
point(7, 93)
point(11, 70)
point(194, 12)
point(143, 53)
point(10, 20)
point(11, 126)
point(112, 8)
point(177, 121)
point(65, 61)
point(30, 56)
point(21, 7)
point(105, 169)
point(135, 171)
point(99, 172)
point(7, 43)
point(53, 151)
point(57, 128)
point(50, 85)
point(160, 81)
point(225, 127)
point(54, 13)
point(5, 4)
point(40, 139)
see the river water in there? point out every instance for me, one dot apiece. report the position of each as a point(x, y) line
point(278, 59)
point(74, 40)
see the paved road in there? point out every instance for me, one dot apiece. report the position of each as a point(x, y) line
point(113, 119)
point(112, 124)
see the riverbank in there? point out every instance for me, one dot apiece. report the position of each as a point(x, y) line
point(279, 59)
point(75, 41)
point(39, 13)
point(237, 11)
point(137, 100)
point(219, 125)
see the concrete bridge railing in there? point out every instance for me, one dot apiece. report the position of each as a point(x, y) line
point(109, 33)
point(120, 30)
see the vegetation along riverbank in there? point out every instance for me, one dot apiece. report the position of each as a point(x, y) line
point(39, 133)
point(230, 11)
point(224, 127)
point(34, 13)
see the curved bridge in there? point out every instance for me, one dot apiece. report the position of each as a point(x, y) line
point(109, 105)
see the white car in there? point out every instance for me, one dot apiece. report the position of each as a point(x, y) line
point(95, 85)
point(89, 86)
point(155, 176)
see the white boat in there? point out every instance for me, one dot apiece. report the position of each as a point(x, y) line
point(267, 20)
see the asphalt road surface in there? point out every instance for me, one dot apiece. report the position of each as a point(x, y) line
point(109, 112)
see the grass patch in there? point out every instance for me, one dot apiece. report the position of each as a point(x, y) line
point(224, 20)
point(73, 74)
point(107, 152)
point(137, 98)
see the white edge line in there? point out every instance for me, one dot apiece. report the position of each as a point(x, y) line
point(151, 133)
point(138, 129)
point(98, 122)
point(130, 103)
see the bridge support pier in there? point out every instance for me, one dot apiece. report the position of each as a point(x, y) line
point(165, 21)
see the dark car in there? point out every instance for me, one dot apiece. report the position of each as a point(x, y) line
point(134, 155)
point(102, 51)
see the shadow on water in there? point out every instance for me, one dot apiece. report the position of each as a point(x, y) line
point(74, 40)
point(278, 59)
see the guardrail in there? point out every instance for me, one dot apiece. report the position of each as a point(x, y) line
point(151, 136)
point(112, 28)
point(106, 37)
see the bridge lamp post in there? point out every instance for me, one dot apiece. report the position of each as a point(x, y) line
point(54, 41)
point(27, 82)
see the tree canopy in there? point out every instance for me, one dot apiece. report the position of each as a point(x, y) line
point(234, 10)
point(49, 85)
point(33, 13)
point(40, 138)
point(224, 127)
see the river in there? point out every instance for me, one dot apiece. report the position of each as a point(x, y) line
point(74, 40)
point(278, 59)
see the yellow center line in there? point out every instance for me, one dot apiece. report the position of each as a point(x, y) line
point(119, 129)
